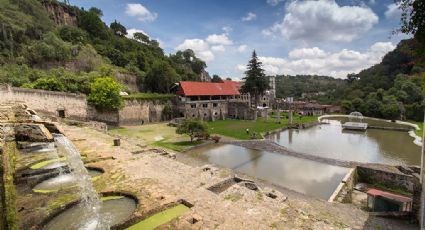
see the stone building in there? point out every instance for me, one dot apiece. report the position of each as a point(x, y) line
point(212, 100)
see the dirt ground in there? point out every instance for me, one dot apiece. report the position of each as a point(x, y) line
point(146, 171)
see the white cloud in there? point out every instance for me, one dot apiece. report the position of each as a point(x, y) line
point(227, 29)
point(249, 17)
point(240, 67)
point(242, 48)
point(219, 48)
point(393, 11)
point(199, 46)
point(208, 47)
point(141, 12)
point(274, 2)
point(132, 31)
point(219, 39)
point(316, 61)
point(323, 20)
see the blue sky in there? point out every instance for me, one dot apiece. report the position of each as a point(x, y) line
point(291, 36)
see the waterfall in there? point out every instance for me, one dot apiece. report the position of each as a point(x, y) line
point(89, 198)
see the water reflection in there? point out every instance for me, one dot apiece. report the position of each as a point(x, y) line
point(309, 177)
point(375, 146)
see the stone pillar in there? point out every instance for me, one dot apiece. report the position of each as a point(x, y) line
point(290, 120)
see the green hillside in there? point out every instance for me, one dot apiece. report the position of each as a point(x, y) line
point(49, 45)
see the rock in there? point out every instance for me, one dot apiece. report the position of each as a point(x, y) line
point(32, 133)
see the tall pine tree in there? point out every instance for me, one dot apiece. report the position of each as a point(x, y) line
point(256, 82)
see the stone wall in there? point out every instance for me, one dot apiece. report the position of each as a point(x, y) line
point(241, 110)
point(136, 111)
point(343, 192)
point(371, 175)
point(205, 110)
point(47, 102)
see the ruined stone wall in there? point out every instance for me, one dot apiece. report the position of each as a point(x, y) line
point(47, 102)
point(205, 110)
point(136, 111)
point(108, 117)
point(241, 110)
point(343, 192)
point(370, 175)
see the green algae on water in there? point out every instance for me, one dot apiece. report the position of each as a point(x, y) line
point(105, 198)
point(160, 218)
point(44, 163)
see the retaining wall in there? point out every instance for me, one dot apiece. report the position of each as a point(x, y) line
point(47, 102)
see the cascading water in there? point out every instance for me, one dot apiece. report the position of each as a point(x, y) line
point(89, 197)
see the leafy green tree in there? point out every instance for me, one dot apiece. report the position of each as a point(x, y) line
point(373, 107)
point(91, 22)
point(193, 128)
point(413, 18)
point(96, 11)
point(346, 106)
point(141, 37)
point(73, 34)
point(160, 78)
point(118, 28)
point(216, 78)
point(105, 94)
point(255, 81)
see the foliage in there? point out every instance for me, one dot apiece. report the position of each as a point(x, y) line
point(193, 128)
point(105, 94)
point(167, 112)
point(255, 81)
point(326, 90)
point(160, 78)
point(149, 96)
point(118, 28)
point(50, 48)
point(413, 18)
point(216, 78)
point(29, 36)
point(46, 83)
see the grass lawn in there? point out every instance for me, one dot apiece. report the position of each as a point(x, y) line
point(421, 126)
point(160, 135)
point(237, 128)
point(177, 146)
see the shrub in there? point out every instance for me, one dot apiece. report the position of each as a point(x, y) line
point(105, 94)
point(193, 128)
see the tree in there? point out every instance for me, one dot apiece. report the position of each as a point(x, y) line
point(193, 128)
point(160, 77)
point(216, 78)
point(96, 11)
point(91, 22)
point(255, 81)
point(105, 94)
point(141, 37)
point(118, 29)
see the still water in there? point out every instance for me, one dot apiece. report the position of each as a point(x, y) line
point(308, 177)
point(374, 146)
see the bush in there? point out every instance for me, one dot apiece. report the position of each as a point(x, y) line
point(46, 83)
point(105, 94)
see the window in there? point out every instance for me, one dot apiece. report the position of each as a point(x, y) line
point(193, 106)
point(215, 104)
point(205, 105)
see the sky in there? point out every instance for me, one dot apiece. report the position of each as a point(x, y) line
point(327, 37)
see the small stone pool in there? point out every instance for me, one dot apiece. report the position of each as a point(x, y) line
point(62, 181)
point(305, 176)
point(115, 209)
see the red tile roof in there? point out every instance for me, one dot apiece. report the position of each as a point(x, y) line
point(392, 196)
point(194, 88)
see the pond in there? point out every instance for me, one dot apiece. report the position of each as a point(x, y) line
point(305, 176)
point(372, 145)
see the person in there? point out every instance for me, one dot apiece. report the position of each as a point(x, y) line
point(247, 131)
